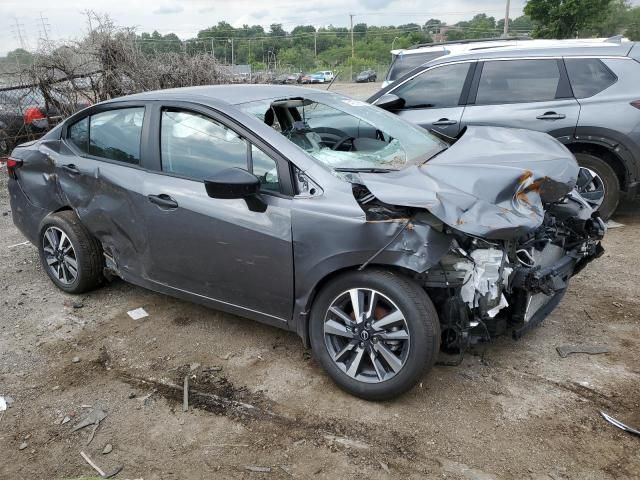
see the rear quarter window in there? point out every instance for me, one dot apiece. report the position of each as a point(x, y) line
point(588, 76)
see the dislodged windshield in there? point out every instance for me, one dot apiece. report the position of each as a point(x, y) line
point(345, 134)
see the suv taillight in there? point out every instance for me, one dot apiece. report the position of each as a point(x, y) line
point(636, 103)
point(12, 165)
point(31, 114)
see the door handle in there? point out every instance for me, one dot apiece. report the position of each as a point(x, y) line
point(551, 116)
point(71, 168)
point(444, 122)
point(163, 200)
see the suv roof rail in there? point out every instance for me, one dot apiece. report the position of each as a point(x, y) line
point(469, 40)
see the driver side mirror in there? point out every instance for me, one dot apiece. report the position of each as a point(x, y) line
point(232, 183)
point(390, 101)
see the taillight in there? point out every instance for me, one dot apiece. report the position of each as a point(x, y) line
point(31, 114)
point(12, 165)
point(636, 103)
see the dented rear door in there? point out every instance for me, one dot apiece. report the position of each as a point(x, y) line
point(102, 180)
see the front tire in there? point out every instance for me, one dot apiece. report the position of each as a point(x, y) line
point(375, 332)
point(605, 179)
point(69, 254)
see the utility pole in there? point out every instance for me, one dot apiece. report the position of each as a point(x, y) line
point(46, 27)
point(19, 34)
point(213, 50)
point(353, 54)
point(505, 33)
point(232, 52)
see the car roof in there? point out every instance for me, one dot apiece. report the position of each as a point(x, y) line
point(230, 94)
point(516, 42)
point(559, 49)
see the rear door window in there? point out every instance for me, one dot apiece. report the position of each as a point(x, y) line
point(435, 88)
point(588, 76)
point(518, 81)
point(116, 134)
point(403, 64)
point(197, 146)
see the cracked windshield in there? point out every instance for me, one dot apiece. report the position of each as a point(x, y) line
point(347, 135)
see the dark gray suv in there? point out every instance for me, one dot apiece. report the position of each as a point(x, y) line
point(587, 96)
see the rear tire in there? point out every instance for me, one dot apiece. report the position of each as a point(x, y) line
point(609, 179)
point(69, 254)
point(360, 363)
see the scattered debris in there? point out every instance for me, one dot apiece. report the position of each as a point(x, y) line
point(619, 424)
point(98, 469)
point(215, 368)
point(617, 304)
point(18, 244)
point(384, 466)
point(23, 445)
point(565, 350)
point(611, 224)
point(3, 404)
point(347, 442)
point(108, 448)
point(185, 394)
point(75, 359)
point(95, 416)
point(258, 469)
point(78, 305)
point(194, 366)
point(93, 432)
point(66, 419)
point(228, 445)
point(132, 395)
point(138, 313)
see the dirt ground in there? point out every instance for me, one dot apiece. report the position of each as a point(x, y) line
point(522, 412)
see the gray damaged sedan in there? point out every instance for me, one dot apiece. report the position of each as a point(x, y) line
point(380, 244)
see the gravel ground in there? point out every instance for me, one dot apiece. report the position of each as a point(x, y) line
point(519, 412)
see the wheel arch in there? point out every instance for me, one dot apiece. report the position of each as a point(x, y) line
point(606, 154)
point(304, 316)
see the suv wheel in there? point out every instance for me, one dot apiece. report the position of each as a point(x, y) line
point(375, 332)
point(598, 184)
point(69, 254)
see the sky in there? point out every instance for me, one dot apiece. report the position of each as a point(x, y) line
point(64, 19)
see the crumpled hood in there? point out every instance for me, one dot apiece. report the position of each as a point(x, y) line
point(492, 182)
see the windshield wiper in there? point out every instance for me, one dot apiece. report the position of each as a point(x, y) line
point(364, 170)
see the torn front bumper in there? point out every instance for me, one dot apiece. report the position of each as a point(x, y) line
point(538, 290)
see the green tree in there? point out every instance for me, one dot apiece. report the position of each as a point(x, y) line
point(633, 25)
point(564, 18)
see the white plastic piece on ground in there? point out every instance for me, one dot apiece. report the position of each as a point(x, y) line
point(138, 313)
point(612, 224)
point(482, 277)
point(3, 404)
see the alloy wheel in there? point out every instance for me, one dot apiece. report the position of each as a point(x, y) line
point(366, 335)
point(60, 255)
point(591, 187)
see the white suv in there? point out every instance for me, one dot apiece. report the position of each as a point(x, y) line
point(405, 60)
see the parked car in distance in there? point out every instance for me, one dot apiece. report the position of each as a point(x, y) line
point(366, 76)
point(24, 115)
point(584, 94)
point(378, 242)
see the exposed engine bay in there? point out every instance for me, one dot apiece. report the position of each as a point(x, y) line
point(486, 288)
